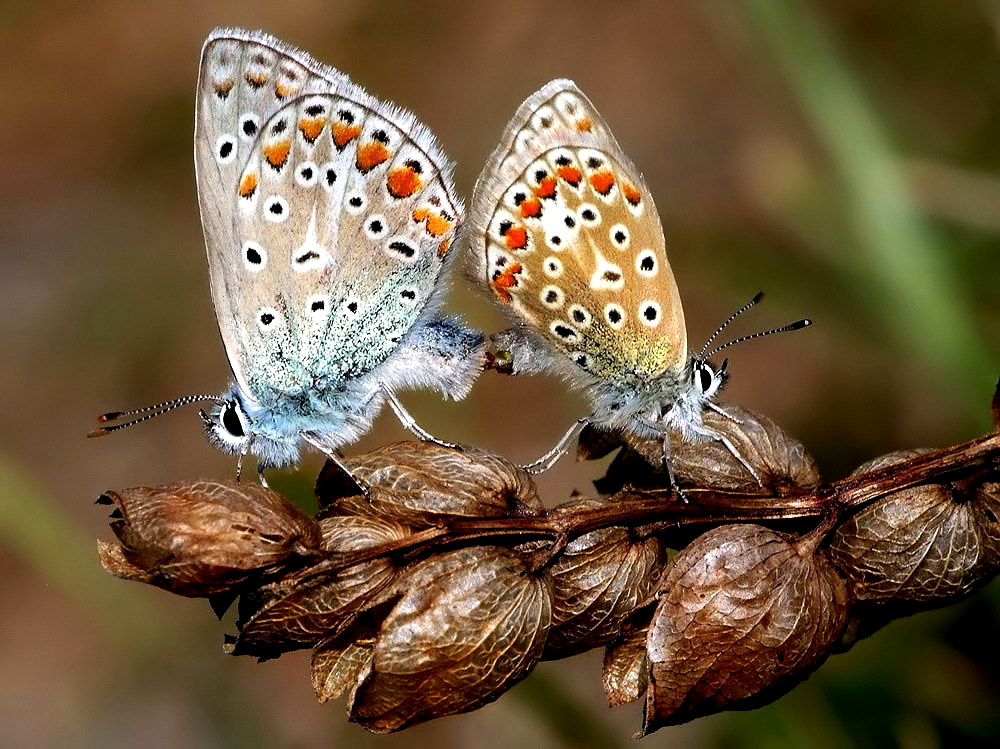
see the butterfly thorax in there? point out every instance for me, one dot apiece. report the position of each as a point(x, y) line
point(648, 408)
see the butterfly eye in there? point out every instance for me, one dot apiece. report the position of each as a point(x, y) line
point(705, 377)
point(231, 420)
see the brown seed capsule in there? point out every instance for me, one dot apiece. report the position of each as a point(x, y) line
point(598, 579)
point(204, 537)
point(418, 482)
point(626, 667)
point(779, 460)
point(469, 624)
point(295, 612)
point(339, 663)
point(745, 614)
point(924, 545)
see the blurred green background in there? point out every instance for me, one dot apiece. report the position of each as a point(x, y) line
point(841, 155)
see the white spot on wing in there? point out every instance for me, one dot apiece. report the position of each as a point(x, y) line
point(310, 254)
point(607, 276)
point(254, 257)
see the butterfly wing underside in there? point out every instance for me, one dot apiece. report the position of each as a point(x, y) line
point(328, 216)
point(567, 237)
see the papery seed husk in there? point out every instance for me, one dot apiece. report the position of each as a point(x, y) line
point(780, 461)
point(598, 580)
point(469, 624)
point(745, 613)
point(296, 613)
point(418, 482)
point(925, 545)
point(204, 537)
point(625, 674)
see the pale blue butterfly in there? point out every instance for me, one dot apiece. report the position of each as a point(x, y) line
point(328, 219)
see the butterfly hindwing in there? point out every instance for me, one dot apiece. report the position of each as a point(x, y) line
point(568, 239)
point(329, 234)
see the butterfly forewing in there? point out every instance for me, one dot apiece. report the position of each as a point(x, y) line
point(569, 240)
point(335, 225)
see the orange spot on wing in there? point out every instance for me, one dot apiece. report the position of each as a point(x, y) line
point(437, 224)
point(631, 194)
point(222, 88)
point(311, 128)
point(516, 238)
point(343, 133)
point(256, 80)
point(546, 187)
point(584, 125)
point(531, 208)
point(443, 247)
point(282, 91)
point(506, 279)
point(248, 184)
point(277, 153)
point(403, 182)
point(370, 155)
point(570, 173)
point(602, 182)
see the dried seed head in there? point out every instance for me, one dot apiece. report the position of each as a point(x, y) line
point(780, 460)
point(299, 611)
point(598, 580)
point(202, 538)
point(418, 482)
point(626, 667)
point(923, 545)
point(745, 613)
point(468, 625)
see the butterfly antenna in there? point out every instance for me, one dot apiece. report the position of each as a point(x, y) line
point(144, 414)
point(798, 324)
point(752, 303)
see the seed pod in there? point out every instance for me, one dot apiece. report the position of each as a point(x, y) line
point(295, 612)
point(468, 625)
point(205, 537)
point(745, 614)
point(598, 580)
point(626, 666)
point(925, 545)
point(780, 461)
point(418, 482)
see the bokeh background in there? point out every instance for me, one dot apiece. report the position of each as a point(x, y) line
point(841, 155)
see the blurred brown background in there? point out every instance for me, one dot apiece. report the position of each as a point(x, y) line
point(841, 155)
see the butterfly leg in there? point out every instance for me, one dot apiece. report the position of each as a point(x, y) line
point(722, 412)
point(260, 476)
point(728, 444)
point(548, 460)
point(334, 458)
point(668, 467)
point(410, 424)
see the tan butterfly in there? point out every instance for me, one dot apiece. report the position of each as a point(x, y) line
point(566, 236)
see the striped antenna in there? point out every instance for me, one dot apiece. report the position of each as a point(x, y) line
point(752, 303)
point(797, 325)
point(144, 414)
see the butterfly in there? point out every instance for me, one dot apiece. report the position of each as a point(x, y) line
point(566, 236)
point(329, 218)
